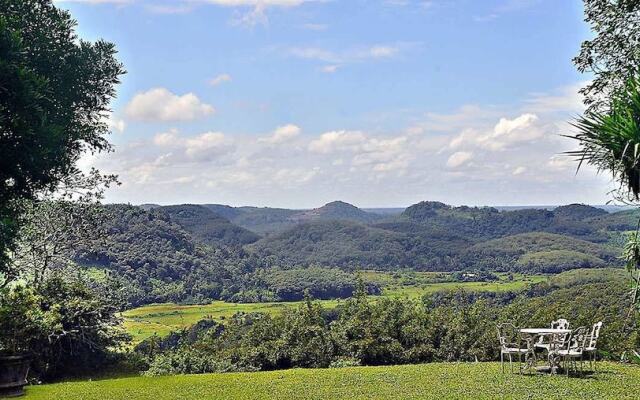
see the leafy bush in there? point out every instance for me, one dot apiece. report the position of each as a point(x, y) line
point(68, 327)
point(24, 325)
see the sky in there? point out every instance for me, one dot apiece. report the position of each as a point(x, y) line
point(380, 103)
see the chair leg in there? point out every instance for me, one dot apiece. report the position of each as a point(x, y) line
point(520, 363)
point(510, 363)
point(502, 361)
point(581, 367)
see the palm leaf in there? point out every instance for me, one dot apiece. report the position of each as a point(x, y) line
point(610, 140)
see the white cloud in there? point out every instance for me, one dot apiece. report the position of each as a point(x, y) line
point(97, 1)
point(315, 53)
point(295, 176)
point(562, 162)
point(207, 146)
point(329, 69)
point(335, 141)
point(383, 154)
point(282, 134)
point(459, 158)
point(506, 126)
point(382, 51)
point(166, 139)
point(435, 156)
point(235, 3)
point(159, 104)
point(169, 9)
point(519, 171)
point(222, 78)
point(506, 133)
point(566, 100)
point(114, 123)
point(349, 56)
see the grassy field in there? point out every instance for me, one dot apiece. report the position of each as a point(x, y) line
point(161, 319)
point(426, 381)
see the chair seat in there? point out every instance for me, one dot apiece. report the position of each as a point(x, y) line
point(514, 350)
point(542, 345)
point(589, 349)
point(569, 353)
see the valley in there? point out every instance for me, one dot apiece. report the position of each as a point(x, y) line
point(162, 319)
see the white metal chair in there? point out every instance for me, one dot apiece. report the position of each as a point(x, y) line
point(510, 344)
point(572, 351)
point(591, 349)
point(557, 324)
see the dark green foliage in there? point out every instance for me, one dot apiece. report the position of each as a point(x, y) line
point(618, 221)
point(337, 243)
point(54, 92)
point(320, 283)
point(612, 55)
point(537, 253)
point(70, 326)
point(578, 212)
point(435, 236)
point(336, 210)
point(206, 226)
point(158, 260)
point(450, 326)
point(90, 328)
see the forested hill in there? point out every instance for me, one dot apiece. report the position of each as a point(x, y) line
point(436, 236)
point(206, 225)
point(192, 253)
point(157, 260)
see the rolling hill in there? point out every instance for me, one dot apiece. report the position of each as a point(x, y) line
point(266, 220)
point(192, 252)
point(207, 226)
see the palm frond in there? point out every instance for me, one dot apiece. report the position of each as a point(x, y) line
point(610, 140)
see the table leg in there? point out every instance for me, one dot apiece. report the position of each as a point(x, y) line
point(530, 357)
point(554, 362)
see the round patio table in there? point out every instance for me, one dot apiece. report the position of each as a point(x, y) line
point(532, 335)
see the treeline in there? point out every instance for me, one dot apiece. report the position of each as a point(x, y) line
point(450, 326)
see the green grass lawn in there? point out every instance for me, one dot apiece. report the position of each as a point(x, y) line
point(426, 381)
point(161, 319)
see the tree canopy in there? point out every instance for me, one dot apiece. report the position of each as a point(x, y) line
point(55, 90)
point(613, 55)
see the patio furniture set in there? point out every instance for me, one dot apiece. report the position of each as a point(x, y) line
point(561, 346)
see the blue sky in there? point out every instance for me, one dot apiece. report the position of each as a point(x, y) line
point(295, 103)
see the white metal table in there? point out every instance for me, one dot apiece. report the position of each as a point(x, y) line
point(532, 335)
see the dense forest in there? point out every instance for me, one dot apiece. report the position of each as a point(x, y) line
point(195, 253)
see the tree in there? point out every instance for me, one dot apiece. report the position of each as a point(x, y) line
point(613, 55)
point(55, 91)
point(610, 141)
point(53, 229)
